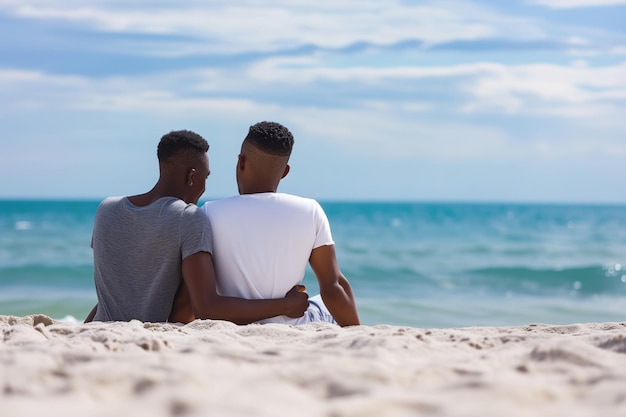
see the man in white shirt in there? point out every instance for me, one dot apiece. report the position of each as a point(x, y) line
point(263, 240)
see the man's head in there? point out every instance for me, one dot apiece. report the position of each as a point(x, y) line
point(264, 158)
point(184, 163)
point(271, 138)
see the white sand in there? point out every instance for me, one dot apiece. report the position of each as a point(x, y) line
point(217, 368)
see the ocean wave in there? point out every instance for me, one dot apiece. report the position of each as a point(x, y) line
point(583, 280)
point(421, 281)
point(80, 276)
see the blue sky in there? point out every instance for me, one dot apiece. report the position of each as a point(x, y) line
point(402, 100)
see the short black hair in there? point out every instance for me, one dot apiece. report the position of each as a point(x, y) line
point(271, 137)
point(180, 141)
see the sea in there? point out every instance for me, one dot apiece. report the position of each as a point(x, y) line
point(418, 264)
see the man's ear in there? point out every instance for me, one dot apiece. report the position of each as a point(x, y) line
point(241, 162)
point(190, 176)
point(287, 168)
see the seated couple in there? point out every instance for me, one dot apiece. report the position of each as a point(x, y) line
point(158, 257)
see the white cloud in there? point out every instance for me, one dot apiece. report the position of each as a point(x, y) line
point(576, 89)
point(571, 4)
point(390, 134)
point(396, 136)
point(618, 50)
point(31, 90)
point(307, 70)
point(577, 41)
point(574, 93)
point(224, 28)
point(566, 91)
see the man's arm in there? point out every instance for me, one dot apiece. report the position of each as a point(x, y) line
point(92, 314)
point(199, 278)
point(334, 287)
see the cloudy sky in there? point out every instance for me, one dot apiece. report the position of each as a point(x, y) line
point(404, 100)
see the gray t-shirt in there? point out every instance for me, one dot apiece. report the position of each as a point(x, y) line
point(138, 254)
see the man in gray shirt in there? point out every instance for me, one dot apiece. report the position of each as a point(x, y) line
point(145, 246)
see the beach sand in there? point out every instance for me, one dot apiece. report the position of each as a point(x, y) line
point(51, 368)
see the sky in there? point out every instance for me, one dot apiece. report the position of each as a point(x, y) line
point(517, 101)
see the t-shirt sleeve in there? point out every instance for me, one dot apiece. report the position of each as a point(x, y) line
point(323, 236)
point(196, 234)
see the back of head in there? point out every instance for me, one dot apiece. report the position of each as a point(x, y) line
point(265, 150)
point(181, 145)
point(271, 138)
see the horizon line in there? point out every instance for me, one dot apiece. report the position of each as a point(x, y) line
point(355, 200)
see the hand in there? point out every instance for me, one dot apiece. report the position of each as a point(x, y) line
point(297, 301)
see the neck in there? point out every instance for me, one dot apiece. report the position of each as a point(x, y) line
point(258, 187)
point(256, 191)
point(161, 189)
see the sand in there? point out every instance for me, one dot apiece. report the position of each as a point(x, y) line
point(50, 368)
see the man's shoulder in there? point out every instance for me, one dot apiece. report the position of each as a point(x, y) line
point(296, 201)
point(171, 206)
point(112, 200)
point(110, 204)
point(187, 210)
point(188, 216)
point(296, 198)
point(276, 199)
point(222, 203)
point(164, 207)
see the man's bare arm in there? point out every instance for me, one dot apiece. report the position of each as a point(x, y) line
point(334, 287)
point(92, 314)
point(199, 280)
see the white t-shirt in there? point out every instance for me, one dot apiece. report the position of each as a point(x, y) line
point(262, 243)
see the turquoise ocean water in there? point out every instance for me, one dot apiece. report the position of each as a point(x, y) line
point(413, 264)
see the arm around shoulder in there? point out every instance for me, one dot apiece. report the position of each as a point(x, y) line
point(206, 303)
point(334, 287)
